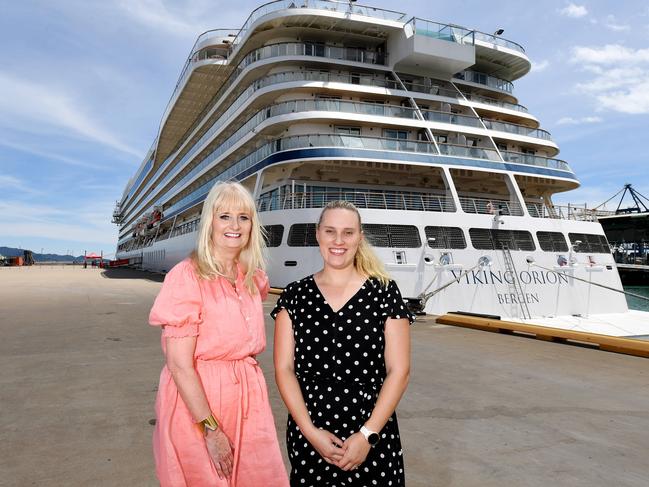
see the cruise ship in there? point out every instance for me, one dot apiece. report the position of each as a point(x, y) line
point(414, 121)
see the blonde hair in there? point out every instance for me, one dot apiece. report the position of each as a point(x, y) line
point(366, 261)
point(229, 194)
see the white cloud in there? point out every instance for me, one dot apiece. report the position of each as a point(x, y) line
point(537, 67)
point(8, 182)
point(39, 108)
point(155, 14)
point(578, 121)
point(618, 77)
point(573, 10)
point(609, 54)
point(612, 24)
point(51, 156)
point(85, 224)
point(633, 100)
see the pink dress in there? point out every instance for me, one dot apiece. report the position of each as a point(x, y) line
point(229, 328)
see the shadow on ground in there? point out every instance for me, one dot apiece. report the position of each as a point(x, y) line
point(125, 273)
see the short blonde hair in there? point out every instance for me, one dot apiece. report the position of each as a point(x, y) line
point(229, 194)
point(366, 261)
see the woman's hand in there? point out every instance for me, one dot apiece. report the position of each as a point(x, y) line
point(356, 449)
point(220, 450)
point(328, 445)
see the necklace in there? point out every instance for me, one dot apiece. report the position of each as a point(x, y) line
point(229, 277)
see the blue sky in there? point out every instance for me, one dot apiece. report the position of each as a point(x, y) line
point(83, 84)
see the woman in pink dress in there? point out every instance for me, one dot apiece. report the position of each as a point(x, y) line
point(214, 423)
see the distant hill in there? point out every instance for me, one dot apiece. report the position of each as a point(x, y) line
point(13, 252)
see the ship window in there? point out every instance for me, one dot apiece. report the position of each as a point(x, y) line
point(356, 78)
point(348, 130)
point(490, 239)
point(395, 134)
point(445, 237)
point(273, 235)
point(552, 241)
point(589, 243)
point(302, 235)
point(314, 49)
point(404, 236)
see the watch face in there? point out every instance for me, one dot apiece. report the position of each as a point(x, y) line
point(373, 439)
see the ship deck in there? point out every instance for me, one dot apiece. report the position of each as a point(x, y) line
point(80, 370)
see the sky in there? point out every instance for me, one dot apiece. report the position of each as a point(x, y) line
point(84, 84)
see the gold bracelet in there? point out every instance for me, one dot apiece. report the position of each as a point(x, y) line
point(209, 423)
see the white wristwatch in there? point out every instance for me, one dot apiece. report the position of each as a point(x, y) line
point(372, 437)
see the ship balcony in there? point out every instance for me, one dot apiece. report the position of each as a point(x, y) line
point(567, 212)
point(534, 160)
point(500, 56)
point(317, 14)
point(491, 206)
point(431, 87)
point(379, 200)
point(428, 46)
point(336, 107)
point(516, 129)
point(478, 79)
point(387, 200)
point(200, 82)
point(261, 157)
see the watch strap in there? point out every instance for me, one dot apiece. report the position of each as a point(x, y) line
point(372, 437)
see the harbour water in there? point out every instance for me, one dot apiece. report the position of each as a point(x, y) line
point(636, 303)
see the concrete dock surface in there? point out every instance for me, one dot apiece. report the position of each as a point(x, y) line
point(80, 366)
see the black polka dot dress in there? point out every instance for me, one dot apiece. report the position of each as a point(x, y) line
point(340, 366)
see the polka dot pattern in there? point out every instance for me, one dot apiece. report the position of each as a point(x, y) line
point(340, 365)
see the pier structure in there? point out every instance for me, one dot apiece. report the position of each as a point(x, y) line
point(482, 409)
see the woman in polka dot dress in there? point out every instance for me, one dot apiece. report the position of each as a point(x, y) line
point(342, 362)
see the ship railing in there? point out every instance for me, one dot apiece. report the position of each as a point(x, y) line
point(297, 106)
point(499, 41)
point(429, 87)
point(365, 56)
point(485, 79)
point(445, 32)
point(315, 49)
point(566, 212)
point(512, 128)
point(334, 6)
point(192, 58)
point(328, 140)
point(492, 101)
point(491, 206)
point(534, 160)
point(385, 200)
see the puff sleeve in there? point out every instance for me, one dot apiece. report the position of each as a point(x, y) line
point(262, 283)
point(178, 307)
point(393, 304)
point(285, 301)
